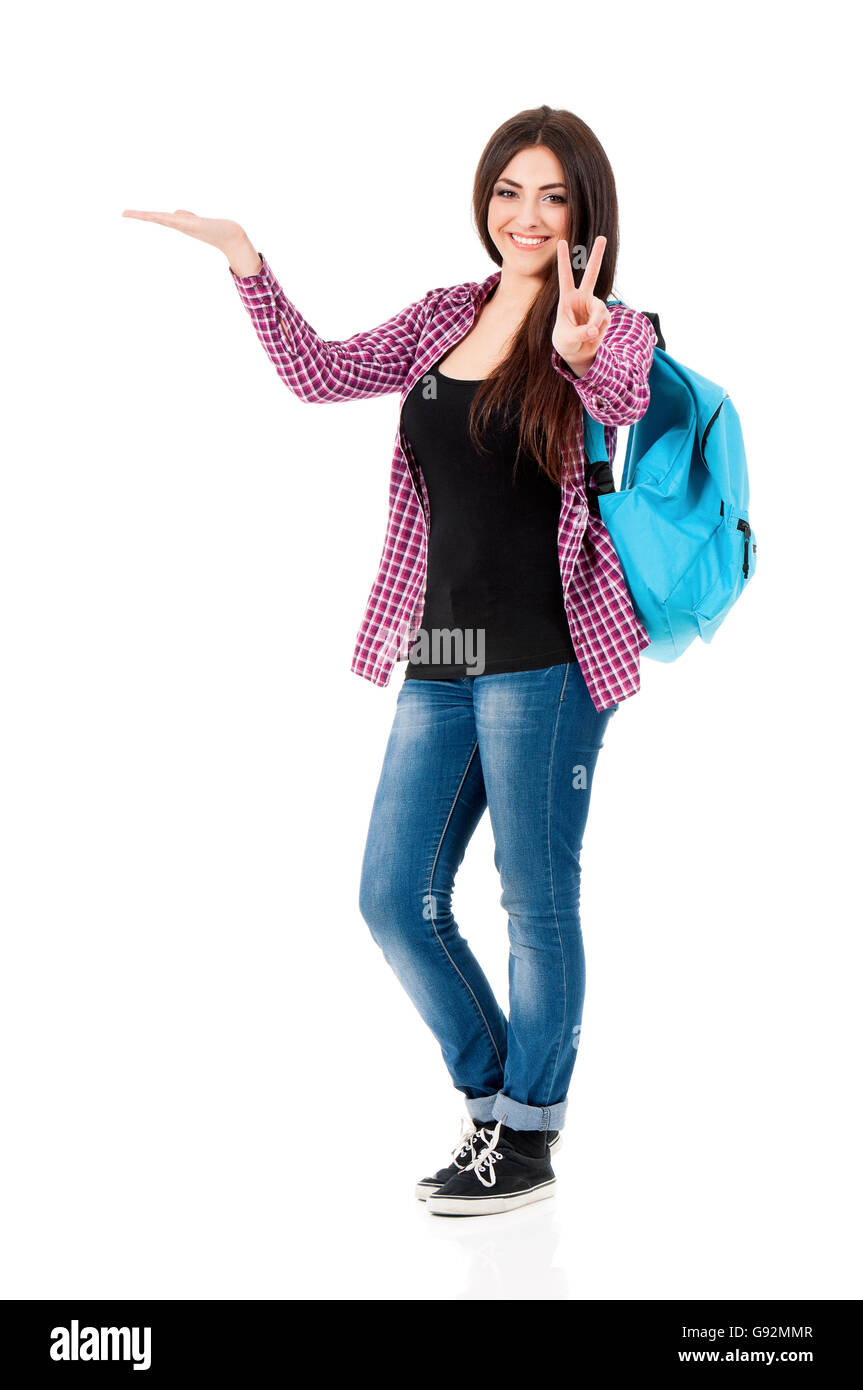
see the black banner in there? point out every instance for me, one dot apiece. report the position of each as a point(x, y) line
point(243, 1340)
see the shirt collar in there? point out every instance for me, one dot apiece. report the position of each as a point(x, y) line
point(477, 291)
point(480, 290)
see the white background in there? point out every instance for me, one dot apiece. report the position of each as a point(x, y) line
point(212, 1086)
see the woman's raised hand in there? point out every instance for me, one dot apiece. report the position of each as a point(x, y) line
point(213, 230)
point(582, 319)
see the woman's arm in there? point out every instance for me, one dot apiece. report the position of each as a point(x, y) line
point(369, 364)
point(372, 363)
point(614, 389)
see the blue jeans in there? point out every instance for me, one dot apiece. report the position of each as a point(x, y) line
point(525, 745)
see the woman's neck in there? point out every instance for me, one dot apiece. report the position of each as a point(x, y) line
point(514, 293)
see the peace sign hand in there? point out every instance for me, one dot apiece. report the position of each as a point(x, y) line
point(582, 319)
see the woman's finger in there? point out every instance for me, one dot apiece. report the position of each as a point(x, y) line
point(598, 319)
point(578, 339)
point(565, 277)
point(591, 270)
point(165, 219)
point(176, 219)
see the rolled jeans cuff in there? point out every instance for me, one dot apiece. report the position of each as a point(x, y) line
point(518, 1116)
point(480, 1110)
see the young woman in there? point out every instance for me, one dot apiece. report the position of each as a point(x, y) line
point(499, 586)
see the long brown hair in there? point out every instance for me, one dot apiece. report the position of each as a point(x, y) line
point(550, 406)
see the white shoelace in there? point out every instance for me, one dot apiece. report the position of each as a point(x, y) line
point(483, 1162)
point(465, 1145)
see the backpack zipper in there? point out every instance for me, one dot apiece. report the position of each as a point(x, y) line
point(747, 532)
point(710, 423)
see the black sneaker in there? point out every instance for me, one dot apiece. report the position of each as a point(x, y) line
point(470, 1142)
point(511, 1170)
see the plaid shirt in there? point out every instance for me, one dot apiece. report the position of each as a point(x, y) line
point(606, 633)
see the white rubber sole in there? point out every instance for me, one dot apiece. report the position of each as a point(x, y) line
point(490, 1206)
point(424, 1190)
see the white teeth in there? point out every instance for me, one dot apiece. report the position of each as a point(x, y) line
point(528, 240)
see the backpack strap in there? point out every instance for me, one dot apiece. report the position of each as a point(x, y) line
point(597, 465)
point(654, 319)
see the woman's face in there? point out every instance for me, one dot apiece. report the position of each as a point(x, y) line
point(529, 211)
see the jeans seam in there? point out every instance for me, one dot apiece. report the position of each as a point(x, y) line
point(565, 679)
point(553, 887)
point(432, 906)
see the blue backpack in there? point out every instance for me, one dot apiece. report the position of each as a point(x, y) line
point(680, 522)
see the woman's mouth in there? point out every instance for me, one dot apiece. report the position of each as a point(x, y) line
point(527, 243)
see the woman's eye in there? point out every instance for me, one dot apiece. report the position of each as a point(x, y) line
point(510, 193)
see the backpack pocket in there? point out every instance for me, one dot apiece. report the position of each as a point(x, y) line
point(733, 561)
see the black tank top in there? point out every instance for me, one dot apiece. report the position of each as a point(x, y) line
point(493, 597)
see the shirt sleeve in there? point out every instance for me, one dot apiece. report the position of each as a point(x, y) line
point(372, 363)
point(614, 390)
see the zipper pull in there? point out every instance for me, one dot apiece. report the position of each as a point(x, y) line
point(747, 531)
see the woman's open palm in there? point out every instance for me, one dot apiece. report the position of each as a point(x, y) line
point(214, 231)
point(582, 319)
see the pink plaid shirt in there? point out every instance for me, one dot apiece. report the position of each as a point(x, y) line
point(606, 633)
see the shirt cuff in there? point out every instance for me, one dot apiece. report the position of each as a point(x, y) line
point(598, 373)
point(254, 290)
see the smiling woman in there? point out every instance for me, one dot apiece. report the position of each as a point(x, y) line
point(490, 537)
point(534, 188)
